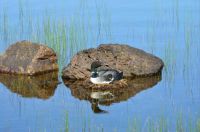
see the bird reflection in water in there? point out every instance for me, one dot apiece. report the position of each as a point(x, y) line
point(106, 95)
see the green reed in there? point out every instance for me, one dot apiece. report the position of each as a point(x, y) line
point(163, 125)
point(5, 26)
point(169, 57)
point(198, 125)
point(134, 125)
point(188, 61)
point(170, 65)
point(67, 123)
point(151, 39)
point(54, 36)
point(177, 13)
point(103, 21)
point(180, 124)
point(21, 16)
point(160, 124)
point(188, 44)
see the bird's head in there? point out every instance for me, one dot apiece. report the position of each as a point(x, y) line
point(95, 65)
point(94, 74)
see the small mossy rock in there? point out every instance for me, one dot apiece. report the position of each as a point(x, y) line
point(132, 61)
point(28, 58)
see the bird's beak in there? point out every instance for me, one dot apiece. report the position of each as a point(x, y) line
point(88, 69)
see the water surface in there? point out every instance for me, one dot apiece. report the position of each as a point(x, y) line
point(168, 29)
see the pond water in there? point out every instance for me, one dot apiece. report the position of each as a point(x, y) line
point(168, 29)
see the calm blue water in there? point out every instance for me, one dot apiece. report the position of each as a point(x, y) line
point(168, 29)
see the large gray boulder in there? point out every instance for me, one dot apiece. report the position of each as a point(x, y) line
point(28, 58)
point(132, 61)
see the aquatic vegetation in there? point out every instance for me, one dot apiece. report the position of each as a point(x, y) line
point(67, 123)
point(163, 125)
point(170, 64)
point(65, 37)
point(134, 124)
point(160, 124)
point(180, 124)
point(103, 21)
point(151, 39)
point(176, 14)
point(21, 16)
point(5, 26)
point(188, 46)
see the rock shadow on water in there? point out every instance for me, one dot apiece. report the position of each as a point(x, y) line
point(106, 95)
point(41, 86)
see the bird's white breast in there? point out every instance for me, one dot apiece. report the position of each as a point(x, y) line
point(99, 81)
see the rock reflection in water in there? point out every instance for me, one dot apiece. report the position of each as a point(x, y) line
point(40, 86)
point(112, 93)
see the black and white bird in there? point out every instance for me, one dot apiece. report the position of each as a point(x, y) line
point(103, 75)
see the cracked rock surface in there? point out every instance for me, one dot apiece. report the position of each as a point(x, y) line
point(132, 61)
point(28, 58)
